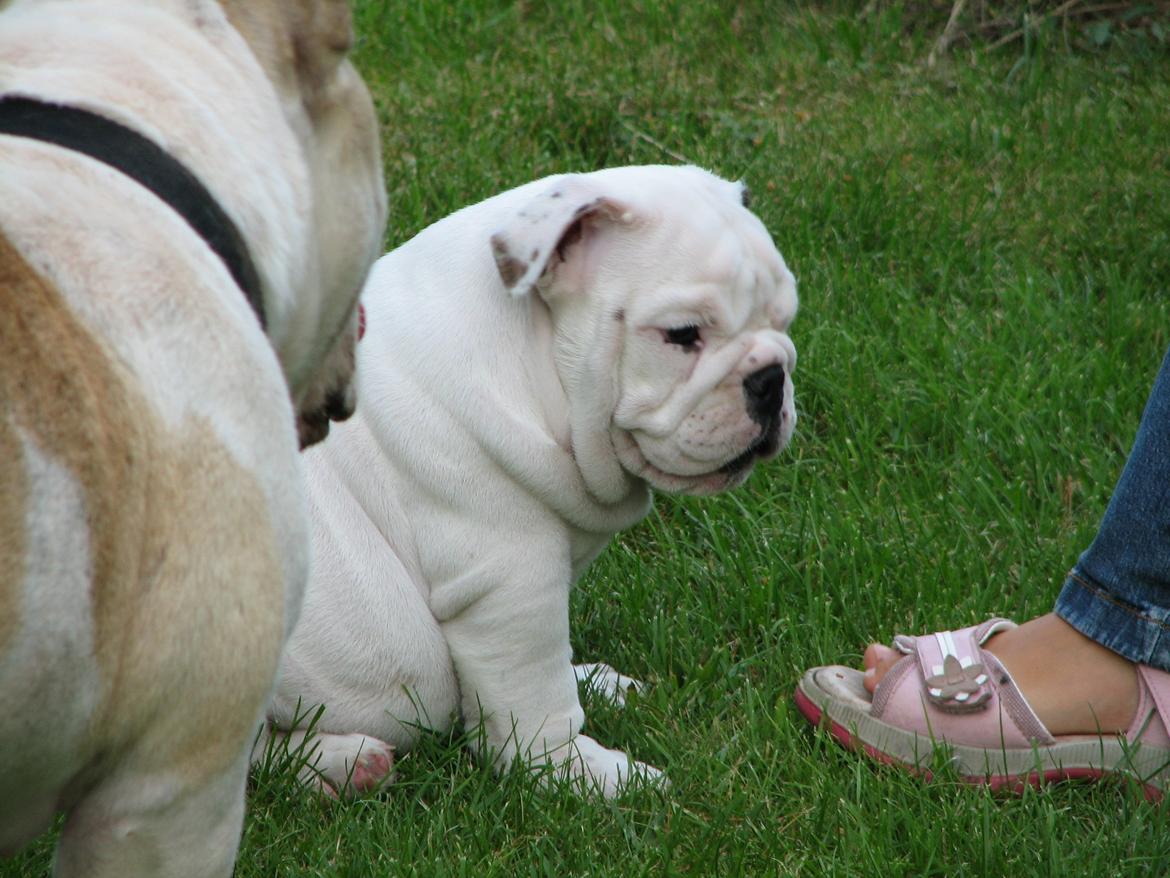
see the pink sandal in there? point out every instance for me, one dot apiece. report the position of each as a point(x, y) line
point(947, 689)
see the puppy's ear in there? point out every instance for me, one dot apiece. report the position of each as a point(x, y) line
point(541, 235)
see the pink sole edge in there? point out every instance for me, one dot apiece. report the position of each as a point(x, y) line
point(1012, 783)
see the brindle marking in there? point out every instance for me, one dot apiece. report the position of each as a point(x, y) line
point(183, 554)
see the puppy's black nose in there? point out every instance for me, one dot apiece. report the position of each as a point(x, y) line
point(764, 390)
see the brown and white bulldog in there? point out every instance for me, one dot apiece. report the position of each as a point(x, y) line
point(153, 536)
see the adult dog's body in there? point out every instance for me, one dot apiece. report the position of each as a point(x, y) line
point(153, 539)
point(503, 439)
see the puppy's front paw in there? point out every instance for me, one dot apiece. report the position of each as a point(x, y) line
point(609, 772)
point(348, 765)
point(605, 681)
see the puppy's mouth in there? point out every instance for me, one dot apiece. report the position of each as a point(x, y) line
point(767, 444)
point(728, 475)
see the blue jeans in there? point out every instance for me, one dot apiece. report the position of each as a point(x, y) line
point(1118, 593)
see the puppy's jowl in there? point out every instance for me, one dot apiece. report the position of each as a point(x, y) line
point(190, 199)
point(533, 366)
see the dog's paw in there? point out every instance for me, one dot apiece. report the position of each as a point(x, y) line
point(605, 681)
point(609, 772)
point(348, 765)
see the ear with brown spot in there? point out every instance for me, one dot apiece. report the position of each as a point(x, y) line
point(540, 236)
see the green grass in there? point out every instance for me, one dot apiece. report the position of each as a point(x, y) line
point(982, 251)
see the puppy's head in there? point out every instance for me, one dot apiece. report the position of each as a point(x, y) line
point(671, 308)
point(302, 45)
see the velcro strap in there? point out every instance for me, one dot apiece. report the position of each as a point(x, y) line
point(954, 678)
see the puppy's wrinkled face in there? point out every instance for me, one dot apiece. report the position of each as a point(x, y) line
point(704, 386)
point(671, 308)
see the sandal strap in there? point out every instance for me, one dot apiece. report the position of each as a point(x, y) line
point(1154, 698)
point(955, 677)
point(916, 697)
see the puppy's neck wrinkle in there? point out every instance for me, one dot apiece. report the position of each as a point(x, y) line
point(568, 419)
point(597, 460)
point(555, 476)
point(605, 479)
point(587, 351)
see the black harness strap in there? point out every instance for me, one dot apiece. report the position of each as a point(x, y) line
point(145, 162)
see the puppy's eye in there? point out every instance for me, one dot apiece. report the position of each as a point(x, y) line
point(683, 336)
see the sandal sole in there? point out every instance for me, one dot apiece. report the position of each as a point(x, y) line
point(1006, 769)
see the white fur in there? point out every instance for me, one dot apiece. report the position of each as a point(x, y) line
point(501, 440)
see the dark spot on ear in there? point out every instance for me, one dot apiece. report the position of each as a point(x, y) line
point(511, 268)
point(556, 194)
point(620, 315)
point(585, 208)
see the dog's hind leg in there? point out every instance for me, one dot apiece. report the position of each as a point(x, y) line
point(334, 765)
point(155, 825)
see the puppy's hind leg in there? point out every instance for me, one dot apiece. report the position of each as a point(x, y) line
point(332, 764)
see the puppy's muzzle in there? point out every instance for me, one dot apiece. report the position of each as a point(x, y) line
point(763, 392)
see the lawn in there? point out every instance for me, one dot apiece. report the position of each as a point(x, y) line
point(983, 252)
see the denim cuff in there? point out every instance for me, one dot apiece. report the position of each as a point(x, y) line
point(1140, 634)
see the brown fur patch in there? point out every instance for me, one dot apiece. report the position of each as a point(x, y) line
point(58, 387)
point(13, 500)
point(511, 270)
point(207, 614)
point(186, 585)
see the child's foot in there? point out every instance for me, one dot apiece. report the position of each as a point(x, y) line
point(1008, 705)
point(1074, 684)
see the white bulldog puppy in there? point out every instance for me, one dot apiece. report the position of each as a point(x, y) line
point(158, 340)
point(533, 365)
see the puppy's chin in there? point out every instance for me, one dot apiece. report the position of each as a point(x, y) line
point(725, 477)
